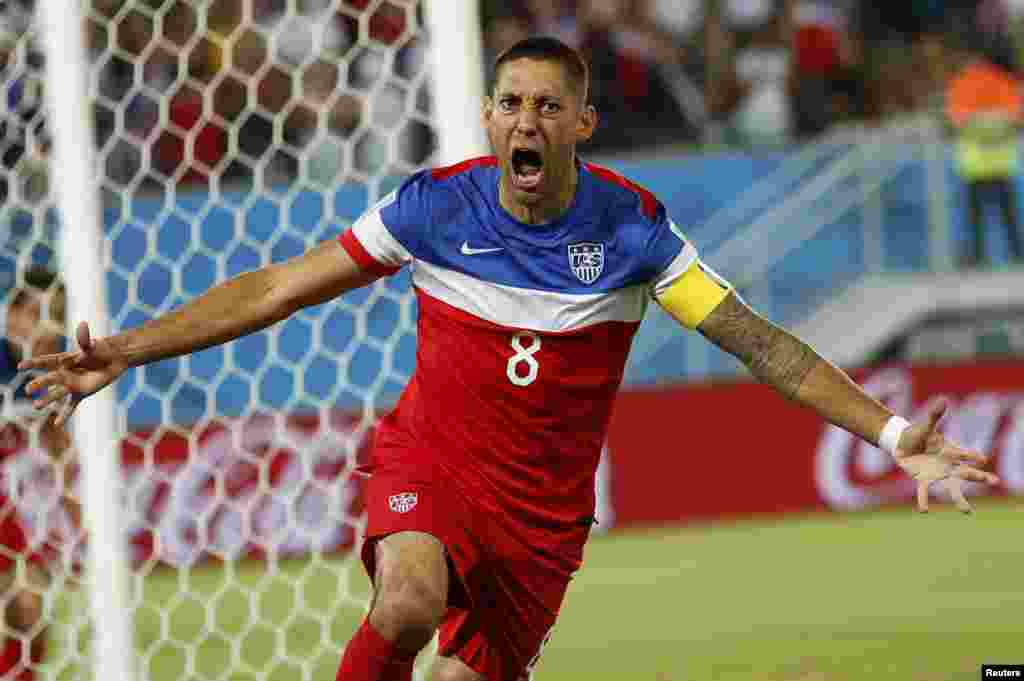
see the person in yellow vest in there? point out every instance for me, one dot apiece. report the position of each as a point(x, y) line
point(984, 105)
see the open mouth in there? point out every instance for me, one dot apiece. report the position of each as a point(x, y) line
point(527, 169)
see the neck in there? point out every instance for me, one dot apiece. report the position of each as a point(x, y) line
point(547, 208)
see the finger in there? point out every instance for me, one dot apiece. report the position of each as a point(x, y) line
point(935, 415)
point(82, 335)
point(65, 412)
point(956, 454)
point(45, 381)
point(922, 496)
point(954, 486)
point(54, 394)
point(47, 400)
point(54, 361)
point(62, 416)
point(975, 475)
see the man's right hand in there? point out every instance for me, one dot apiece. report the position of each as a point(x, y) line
point(73, 376)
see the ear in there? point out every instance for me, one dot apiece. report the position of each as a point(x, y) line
point(587, 123)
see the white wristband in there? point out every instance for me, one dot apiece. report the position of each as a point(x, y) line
point(890, 436)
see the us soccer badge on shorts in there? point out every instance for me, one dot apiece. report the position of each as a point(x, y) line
point(402, 503)
point(587, 260)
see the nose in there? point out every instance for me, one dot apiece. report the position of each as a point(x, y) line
point(526, 122)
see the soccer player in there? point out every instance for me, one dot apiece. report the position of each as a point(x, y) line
point(34, 324)
point(532, 271)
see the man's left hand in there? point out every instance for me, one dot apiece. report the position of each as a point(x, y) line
point(928, 457)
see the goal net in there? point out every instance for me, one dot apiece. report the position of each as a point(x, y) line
point(230, 134)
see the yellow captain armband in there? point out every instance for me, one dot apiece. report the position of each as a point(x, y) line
point(692, 297)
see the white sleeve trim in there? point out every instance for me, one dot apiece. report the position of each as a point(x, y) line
point(374, 236)
point(682, 262)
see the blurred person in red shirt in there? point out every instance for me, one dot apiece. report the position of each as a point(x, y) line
point(826, 55)
point(641, 85)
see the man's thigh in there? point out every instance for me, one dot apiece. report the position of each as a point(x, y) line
point(512, 611)
point(454, 669)
point(414, 520)
point(409, 555)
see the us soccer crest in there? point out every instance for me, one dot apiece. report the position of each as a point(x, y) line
point(403, 503)
point(586, 260)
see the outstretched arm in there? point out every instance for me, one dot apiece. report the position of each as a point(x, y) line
point(247, 303)
point(792, 367)
point(781, 360)
point(237, 307)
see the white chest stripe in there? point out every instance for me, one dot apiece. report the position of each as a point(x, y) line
point(527, 308)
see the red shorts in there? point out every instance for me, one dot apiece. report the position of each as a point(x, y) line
point(502, 604)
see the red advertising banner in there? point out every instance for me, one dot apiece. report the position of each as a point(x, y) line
point(271, 484)
point(710, 451)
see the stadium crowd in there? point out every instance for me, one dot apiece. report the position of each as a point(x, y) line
point(337, 97)
point(756, 72)
point(339, 87)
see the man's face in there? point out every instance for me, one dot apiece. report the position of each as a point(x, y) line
point(534, 120)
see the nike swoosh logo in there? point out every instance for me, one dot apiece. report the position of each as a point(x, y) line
point(469, 250)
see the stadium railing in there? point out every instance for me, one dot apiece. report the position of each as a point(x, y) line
point(858, 203)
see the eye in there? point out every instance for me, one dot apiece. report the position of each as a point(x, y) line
point(550, 108)
point(506, 105)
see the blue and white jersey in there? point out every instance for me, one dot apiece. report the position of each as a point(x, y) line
point(523, 330)
point(448, 223)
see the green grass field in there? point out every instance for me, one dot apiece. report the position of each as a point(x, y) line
point(881, 595)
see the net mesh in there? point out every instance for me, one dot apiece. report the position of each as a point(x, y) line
point(230, 134)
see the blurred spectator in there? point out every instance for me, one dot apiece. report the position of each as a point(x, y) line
point(638, 66)
point(559, 18)
point(984, 105)
point(275, 89)
point(658, 59)
point(682, 19)
point(502, 32)
point(754, 74)
point(827, 63)
point(679, 24)
point(266, 91)
point(33, 323)
point(122, 43)
point(382, 79)
point(326, 118)
point(23, 137)
point(634, 65)
point(306, 40)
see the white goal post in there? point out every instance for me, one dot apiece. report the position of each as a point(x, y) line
point(95, 432)
point(221, 499)
point(458, 84)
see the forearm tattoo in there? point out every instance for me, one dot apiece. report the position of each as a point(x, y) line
point(773, 355)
